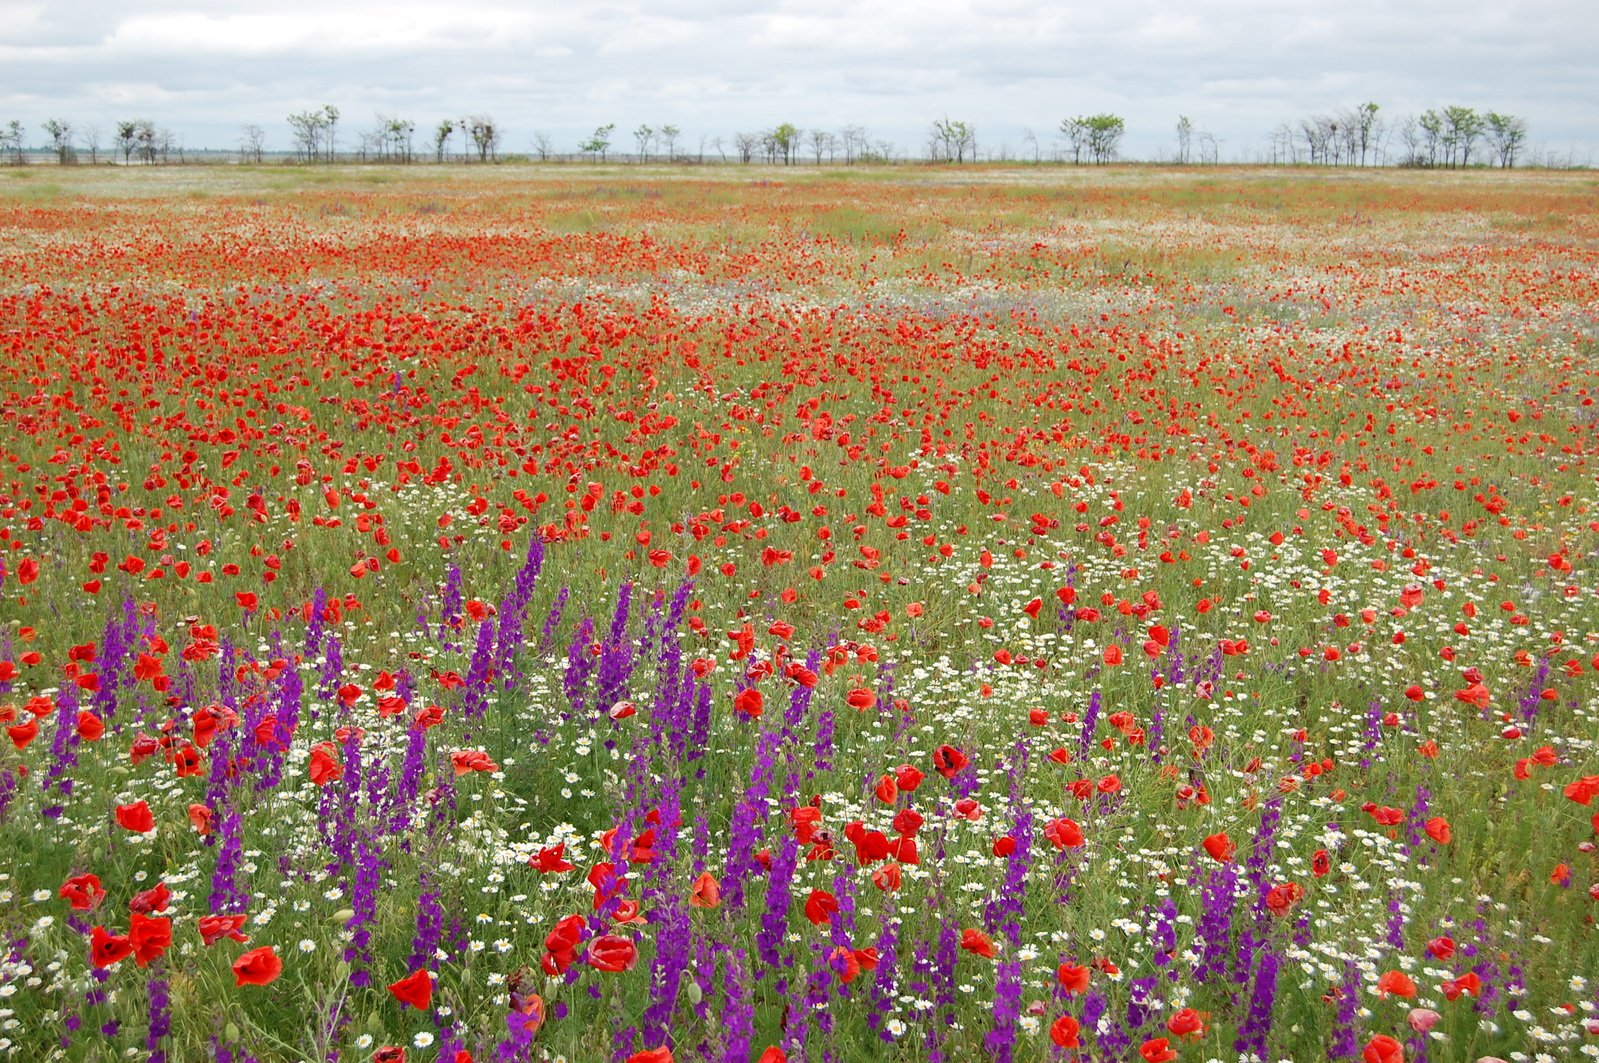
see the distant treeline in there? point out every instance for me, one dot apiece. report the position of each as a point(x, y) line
point(1363, 135)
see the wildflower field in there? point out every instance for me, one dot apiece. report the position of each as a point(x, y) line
point(524, 613)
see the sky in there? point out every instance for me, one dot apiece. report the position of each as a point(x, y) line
point(1237, 68)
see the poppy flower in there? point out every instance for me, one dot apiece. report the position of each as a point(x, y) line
point(707, 892)
point(106, 949)
point(611, 954)
point(1156, 1050)
point(1064, 833)
point(214, 928)
point(1220, 847)
point(1396, 983)
point(751, 702)
point(1320, 863)
point(388, 1054)
point(82, 892)
point(23, 733)
point(1469, 983)
point(1438, 830)
point(1584, 790)
point(257, 967)
point(907, 777)
point(1186, 1023)
point(1441, 947)
point(1383, 1049)
point(150, 937)
point(1073, 978)
point(652, 1055)
point(820, 907)
point(1063, 1031)
point(948, 761)
point(136, 817)
point(773, 1054)
point(154, 899)
point(415, 989)
point(977, 943)
point(551, 859)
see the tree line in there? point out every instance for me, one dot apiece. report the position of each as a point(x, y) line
point(1363, 135)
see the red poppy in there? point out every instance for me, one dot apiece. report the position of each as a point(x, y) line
point(551, 859)
point(150, 937)
point(907, 777)
point(1584, 790)
point(706, 892)
point(977, 942)
point(154, 899)
point(257, 967)
point(1063, 1031)
point(1320, 863)
point(948, 761)
point(23, 733)
point(415, 989)
point(1064, 833)
point(1156, 1050)
point(1396, 983)
point(214, 928)
point(106, 950)
point(82, 892)
point(1186, 1023)
point(1383, 1049)
point(751, 702)
point(136, 817)
point(1441, 947)
point(652, 1055)
point(1073, 979)
point(1438, 830)
point(820, 907)
point(611, 954)
point(1220, 847)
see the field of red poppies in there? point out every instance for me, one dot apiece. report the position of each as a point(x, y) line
point(572, 613)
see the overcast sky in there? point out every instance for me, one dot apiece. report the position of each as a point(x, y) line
point(1238, 68)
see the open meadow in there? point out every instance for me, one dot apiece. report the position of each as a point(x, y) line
point(517, 612)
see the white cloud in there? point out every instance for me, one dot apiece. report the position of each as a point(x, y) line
point(1237, 67)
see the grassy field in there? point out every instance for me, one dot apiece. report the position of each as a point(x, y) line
point(588, 613)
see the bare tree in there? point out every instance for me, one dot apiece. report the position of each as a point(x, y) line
point(543, 146)
point(485, 136)
point(331, 114)
point(252, 142)
point(821, 143)
point(441, 139)
point(91, 142)
point(643, 136)
point(11, 142)
point(745, 144)
point(668, 137)
point(854, 142)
